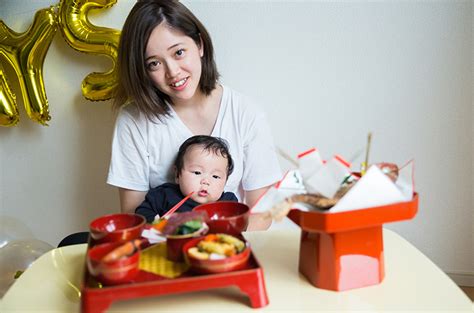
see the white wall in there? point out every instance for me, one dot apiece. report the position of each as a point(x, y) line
point(326, 73)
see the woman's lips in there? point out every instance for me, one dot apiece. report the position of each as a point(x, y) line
point(180, 84)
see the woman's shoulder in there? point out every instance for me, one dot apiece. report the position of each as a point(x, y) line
point(241, 102)
point(130, 114)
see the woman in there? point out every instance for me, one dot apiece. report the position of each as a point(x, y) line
point(168, 91)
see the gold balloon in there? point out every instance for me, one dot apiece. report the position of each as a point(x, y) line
point(25, 52)
point(82, 36)
point(8, 110)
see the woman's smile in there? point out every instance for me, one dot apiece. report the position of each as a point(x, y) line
point(180, 84)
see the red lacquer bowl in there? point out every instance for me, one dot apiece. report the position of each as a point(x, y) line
point(226, 216)
point(116, 272)
point(233, 263)
point(175, 243)
point(116, 227)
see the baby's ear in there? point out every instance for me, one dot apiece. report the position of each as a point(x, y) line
point(176, 175)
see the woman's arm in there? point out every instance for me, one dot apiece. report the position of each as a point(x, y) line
point(252, 196)
point(257, 221)
point(130, 199)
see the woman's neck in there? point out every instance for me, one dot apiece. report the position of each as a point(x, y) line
point(199, 102)
point(200, 113)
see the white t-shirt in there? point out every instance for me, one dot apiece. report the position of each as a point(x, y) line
point(143, 152)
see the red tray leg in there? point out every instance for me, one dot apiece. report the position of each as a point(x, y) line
point(254, 286)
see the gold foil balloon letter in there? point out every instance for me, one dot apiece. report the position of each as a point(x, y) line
point(8, 109)
point(25, 52)
point(82, 36)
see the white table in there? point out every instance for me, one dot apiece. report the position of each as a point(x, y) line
point(412, 283)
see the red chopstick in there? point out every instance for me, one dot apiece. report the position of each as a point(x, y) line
point(177, 205)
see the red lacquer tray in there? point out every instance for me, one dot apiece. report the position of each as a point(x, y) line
point(250, 281)
point(344, 250)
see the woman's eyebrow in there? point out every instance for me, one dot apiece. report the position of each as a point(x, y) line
point(174, 46)
point(150, 57)
point(170, 48)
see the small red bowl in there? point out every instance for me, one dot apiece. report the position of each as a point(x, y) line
point(119, 227)
point(175, 243)
point(226, 216)
point(116, 272)
point(232, 263)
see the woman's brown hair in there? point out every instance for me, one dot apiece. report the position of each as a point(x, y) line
point(134, 84)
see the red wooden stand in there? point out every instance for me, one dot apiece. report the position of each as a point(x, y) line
point(344, 250)
point(250, 280)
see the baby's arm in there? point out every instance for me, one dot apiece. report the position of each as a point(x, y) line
point(149, 208)
point(146, 211)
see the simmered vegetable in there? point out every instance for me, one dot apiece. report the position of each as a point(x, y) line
point(184, 223)
point(217, 246)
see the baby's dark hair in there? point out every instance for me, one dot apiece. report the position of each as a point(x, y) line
point(215, 145)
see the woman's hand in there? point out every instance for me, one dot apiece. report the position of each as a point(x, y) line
point(130, 199)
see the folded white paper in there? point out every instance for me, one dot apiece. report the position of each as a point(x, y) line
point(327, 180)
point(373, 189)
point(153, 235)
point(406, 180)
point(309, 163)
point(291, 184)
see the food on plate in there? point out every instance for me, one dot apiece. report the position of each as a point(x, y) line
point(160, 224)
point(123, 251)
point(216, 246)
point(281, 209)
point(389, 169)
point(182, 223)
point(239, 244)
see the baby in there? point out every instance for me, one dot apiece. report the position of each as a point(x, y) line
point(202, 166)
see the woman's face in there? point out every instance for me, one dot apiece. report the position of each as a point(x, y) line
point(203, 172)
point(173, 62)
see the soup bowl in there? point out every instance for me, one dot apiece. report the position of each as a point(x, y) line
point(226, 216)
point(119, 227)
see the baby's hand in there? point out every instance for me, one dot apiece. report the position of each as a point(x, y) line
point(259, 221)
point(280, 210)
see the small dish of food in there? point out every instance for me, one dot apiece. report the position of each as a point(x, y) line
point(216, 253)
point(179, 228)
point(110, 265)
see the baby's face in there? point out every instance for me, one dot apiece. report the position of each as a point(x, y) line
point(203, 172)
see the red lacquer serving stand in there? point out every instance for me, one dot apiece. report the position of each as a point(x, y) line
point(250, 281)
point(344, 250)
